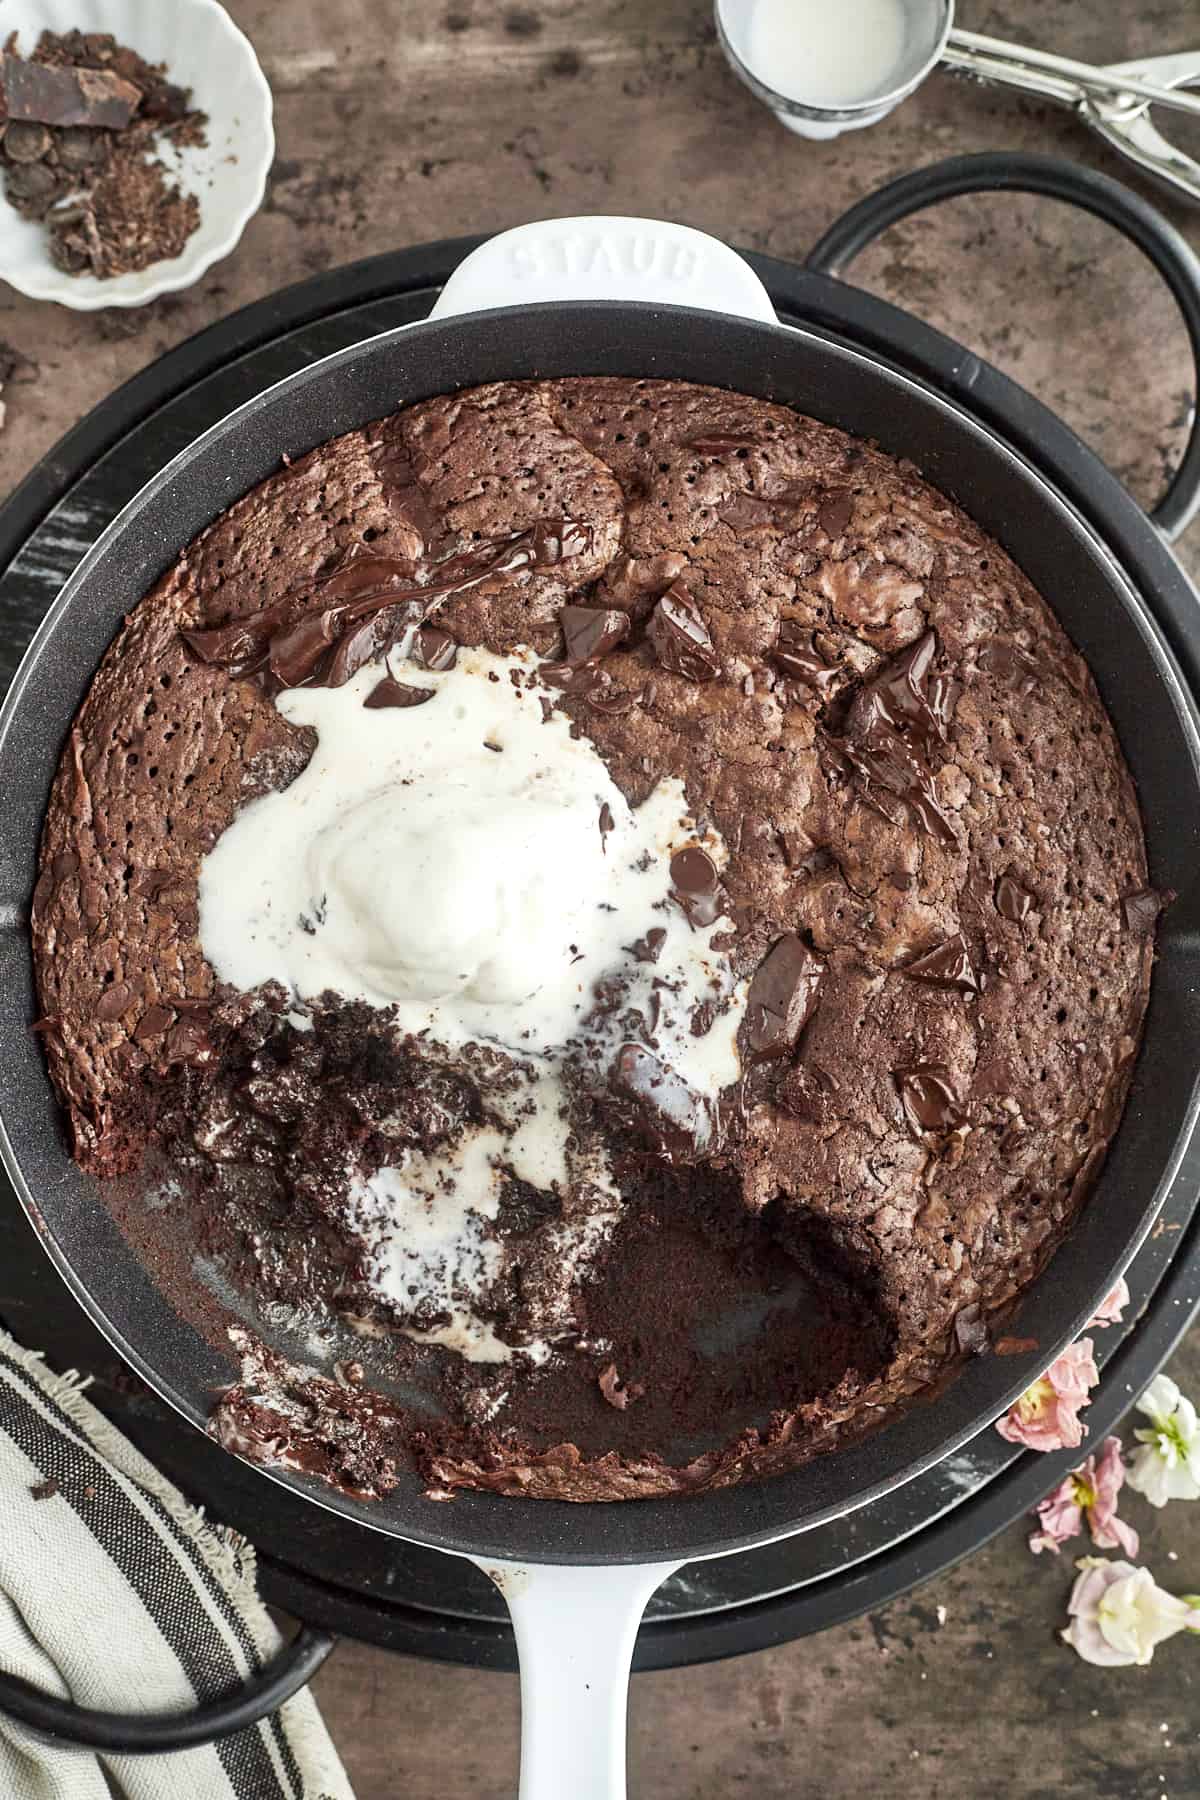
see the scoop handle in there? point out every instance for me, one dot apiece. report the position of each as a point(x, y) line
point(605, 258)
point(575, 1631)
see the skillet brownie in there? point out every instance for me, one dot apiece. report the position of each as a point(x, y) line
point(613, 898)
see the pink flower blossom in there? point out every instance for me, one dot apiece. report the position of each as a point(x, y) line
point(1046, 1417)
point(1119, 1613)
point(1112, 1307)
point(1088, 1492)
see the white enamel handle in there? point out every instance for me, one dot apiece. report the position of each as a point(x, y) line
point(605, 259)
point(575, 1631)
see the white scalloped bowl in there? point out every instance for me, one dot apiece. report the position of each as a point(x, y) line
point(204, 50)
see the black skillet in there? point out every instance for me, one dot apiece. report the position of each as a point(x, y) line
point(1126, 635)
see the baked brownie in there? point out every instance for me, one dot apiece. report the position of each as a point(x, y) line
point(829, 1103)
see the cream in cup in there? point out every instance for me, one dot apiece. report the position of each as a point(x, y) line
point(828, 66)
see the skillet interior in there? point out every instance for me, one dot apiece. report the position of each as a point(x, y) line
point(1154, 715)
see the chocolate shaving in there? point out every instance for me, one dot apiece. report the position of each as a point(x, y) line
point(928, 1098)
point(947, 965)
point(607, 824)
point(782, 998)
point(680, 638)
point(390, 692)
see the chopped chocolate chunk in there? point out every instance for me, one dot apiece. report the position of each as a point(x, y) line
point(1012, 900)
point(153, 1023)
point(617, 1392)
point(45, 1490)
point(796, 656)
point(389, 692)
point(189, 1042)
point(835, 512)
point(590, 632)
point(680, 637)
point(782, 997)
point(947, 965)
point(607, 824)
point(364, 644)
point(970, 1330)
point(928, 1098)
point(1140, 910)
point(26, 143)
point(610, 703)
point(904, 696)
point(720, 443)
point(1011, 664)
point(433, 649)
point(1016, 1346)
point(680, 1125)
point(697, 885)
point(746, 512)
point(65, 96)
point(114, 1001)
point(648, 949)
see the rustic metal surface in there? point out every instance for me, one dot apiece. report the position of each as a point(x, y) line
point(400, 121)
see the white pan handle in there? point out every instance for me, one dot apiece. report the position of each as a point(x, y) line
point(605, 259)
point(575, 1631)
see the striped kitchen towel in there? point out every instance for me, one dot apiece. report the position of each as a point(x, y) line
point(116, 1593)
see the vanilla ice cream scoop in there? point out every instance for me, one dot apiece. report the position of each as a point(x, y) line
point(452, 890)
point(470, 861)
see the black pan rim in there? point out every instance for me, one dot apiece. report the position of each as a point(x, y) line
point(1167, 668)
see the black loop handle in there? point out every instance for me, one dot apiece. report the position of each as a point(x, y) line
point(150, 1734)
point(1117, 205)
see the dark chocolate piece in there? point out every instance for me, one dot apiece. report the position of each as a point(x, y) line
point(389, 692)
point(680, 1125)
point(433, 649)
point(928, 1098)
point(796, 655)
point(970, 1330)
point(1012, 900)
point(153, 1023)
point(947, 965)
point(1140, 910)
point(680, 637)
point(697, 885)
point(589, 632)
point(835, 512)
point(1010, 664)
point(720, 443)
point(607, 824)
point(782, 997)
point(746, 512)
point(50, 95)
point(648, 949)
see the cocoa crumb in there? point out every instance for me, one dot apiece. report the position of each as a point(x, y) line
point(45, 1490)
point(617, 1392)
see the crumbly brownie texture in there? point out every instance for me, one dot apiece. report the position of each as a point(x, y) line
point(921, 795)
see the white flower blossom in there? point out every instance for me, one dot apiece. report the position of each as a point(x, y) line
point(1119, 1613)
point(1167, 1467)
